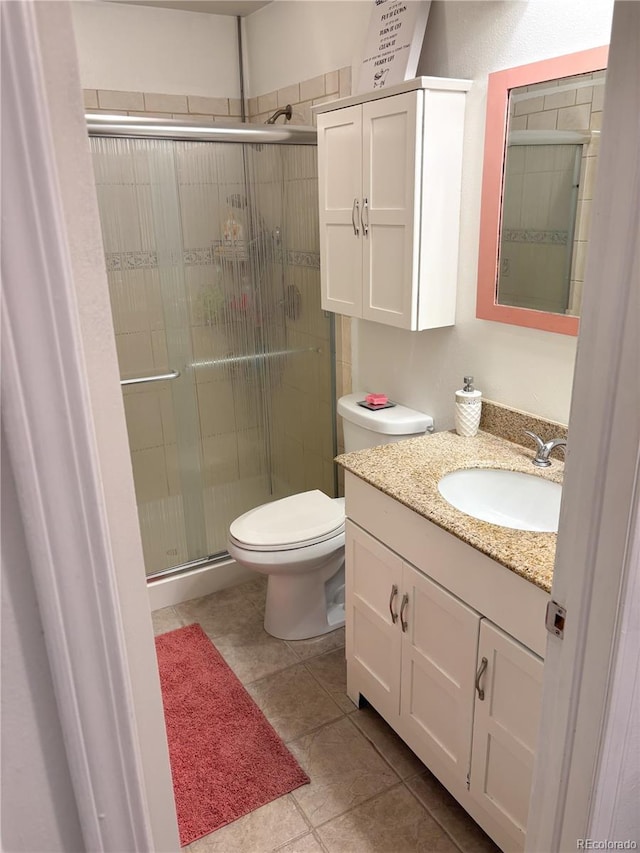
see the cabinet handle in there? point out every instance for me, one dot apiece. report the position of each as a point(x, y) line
point(365, 222)
point(354, 216)
point(403, 607)
point(483, 666)
point(394, 592)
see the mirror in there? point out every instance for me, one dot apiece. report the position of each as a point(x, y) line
point(540, 156)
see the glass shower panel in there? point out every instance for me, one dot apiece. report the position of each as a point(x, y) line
point(140, 214)
point(299, 391)
point(213, 265)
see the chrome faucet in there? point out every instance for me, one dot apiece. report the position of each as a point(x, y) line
point(544, 448)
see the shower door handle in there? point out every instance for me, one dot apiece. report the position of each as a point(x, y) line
point(365, 222)
point(159, 377)
point(354, 216)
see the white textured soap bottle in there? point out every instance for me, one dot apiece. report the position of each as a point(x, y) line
point(468, 408)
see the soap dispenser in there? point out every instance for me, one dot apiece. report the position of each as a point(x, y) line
point(468, 408)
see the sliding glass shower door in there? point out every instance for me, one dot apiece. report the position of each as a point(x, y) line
point(225, 355)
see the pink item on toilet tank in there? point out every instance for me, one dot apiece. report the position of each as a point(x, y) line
point(377, 399)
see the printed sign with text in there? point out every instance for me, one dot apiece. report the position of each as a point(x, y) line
point(393, 44)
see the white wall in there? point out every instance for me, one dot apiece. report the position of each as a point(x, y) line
point(38, 807)
point(147, 49)
point(293, 40)
point(523, 368)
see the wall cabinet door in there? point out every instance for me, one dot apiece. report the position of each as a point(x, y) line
point(506, 718)
point(373, 636)
point(391, 173)
point(340, 198)
point(440, 639)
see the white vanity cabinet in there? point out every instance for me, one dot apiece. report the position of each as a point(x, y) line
point(439, 640)
point(389, 174)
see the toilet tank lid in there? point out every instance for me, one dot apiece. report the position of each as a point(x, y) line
point(295, 519)
point(399, 420)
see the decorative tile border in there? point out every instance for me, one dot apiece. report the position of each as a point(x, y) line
point(119, 261)
point(303, 259)
point(198, 257)
point(528, 235)
point(130, 260)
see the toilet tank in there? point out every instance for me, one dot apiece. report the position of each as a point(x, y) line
point(367, 428)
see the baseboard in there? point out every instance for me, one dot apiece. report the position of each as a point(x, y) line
point(202, 581)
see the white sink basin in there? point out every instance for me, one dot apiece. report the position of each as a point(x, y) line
point(508, 498)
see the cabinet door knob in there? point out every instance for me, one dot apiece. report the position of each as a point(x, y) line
point(403, 607)
point(365, 222)
point(394, 592)
point(354, 217)
point(481, 671)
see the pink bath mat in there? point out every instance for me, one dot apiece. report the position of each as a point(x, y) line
point(226, 759)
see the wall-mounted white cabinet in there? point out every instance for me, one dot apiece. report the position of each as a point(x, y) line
point(389, 179)
point(426, 645)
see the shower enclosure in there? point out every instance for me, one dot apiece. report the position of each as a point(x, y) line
point(226, 358)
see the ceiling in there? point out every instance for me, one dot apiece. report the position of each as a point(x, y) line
point(237, 8)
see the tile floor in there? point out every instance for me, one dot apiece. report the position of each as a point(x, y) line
point(368, 793)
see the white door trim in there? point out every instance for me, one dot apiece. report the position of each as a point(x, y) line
point(599, 526)
point(50, 437)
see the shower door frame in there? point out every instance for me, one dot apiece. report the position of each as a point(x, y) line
point(129, 127)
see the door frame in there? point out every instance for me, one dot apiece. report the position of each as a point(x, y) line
point(63, 422)
point(590, 675)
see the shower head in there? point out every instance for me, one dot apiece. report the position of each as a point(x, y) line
point(287, 112)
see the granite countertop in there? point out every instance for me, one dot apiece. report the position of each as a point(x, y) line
point(409, 471)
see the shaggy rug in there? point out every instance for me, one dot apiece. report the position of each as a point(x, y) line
point(226, 759)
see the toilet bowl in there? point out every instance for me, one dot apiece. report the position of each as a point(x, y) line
point(298, 541)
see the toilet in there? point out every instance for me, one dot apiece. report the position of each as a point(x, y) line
point(298, 541)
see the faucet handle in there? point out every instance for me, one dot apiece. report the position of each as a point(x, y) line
point(539, 442)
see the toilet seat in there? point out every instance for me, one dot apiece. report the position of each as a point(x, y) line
point(298, 521)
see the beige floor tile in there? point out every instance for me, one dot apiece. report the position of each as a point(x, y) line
point(165, 620)
point(344, 770)
point(393, 822)
point(450, 814)
point(264, 829)
point(293, 702)
point(306, 844)
point(392, 748)
point(331, 672)
point(222, 612)
point(255, 591)
point(252, 653)
point(305, 649)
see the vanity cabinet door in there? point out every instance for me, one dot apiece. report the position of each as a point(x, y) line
point(340, 199)
point(373, 638)
point(506, 718)
point(439, 645)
